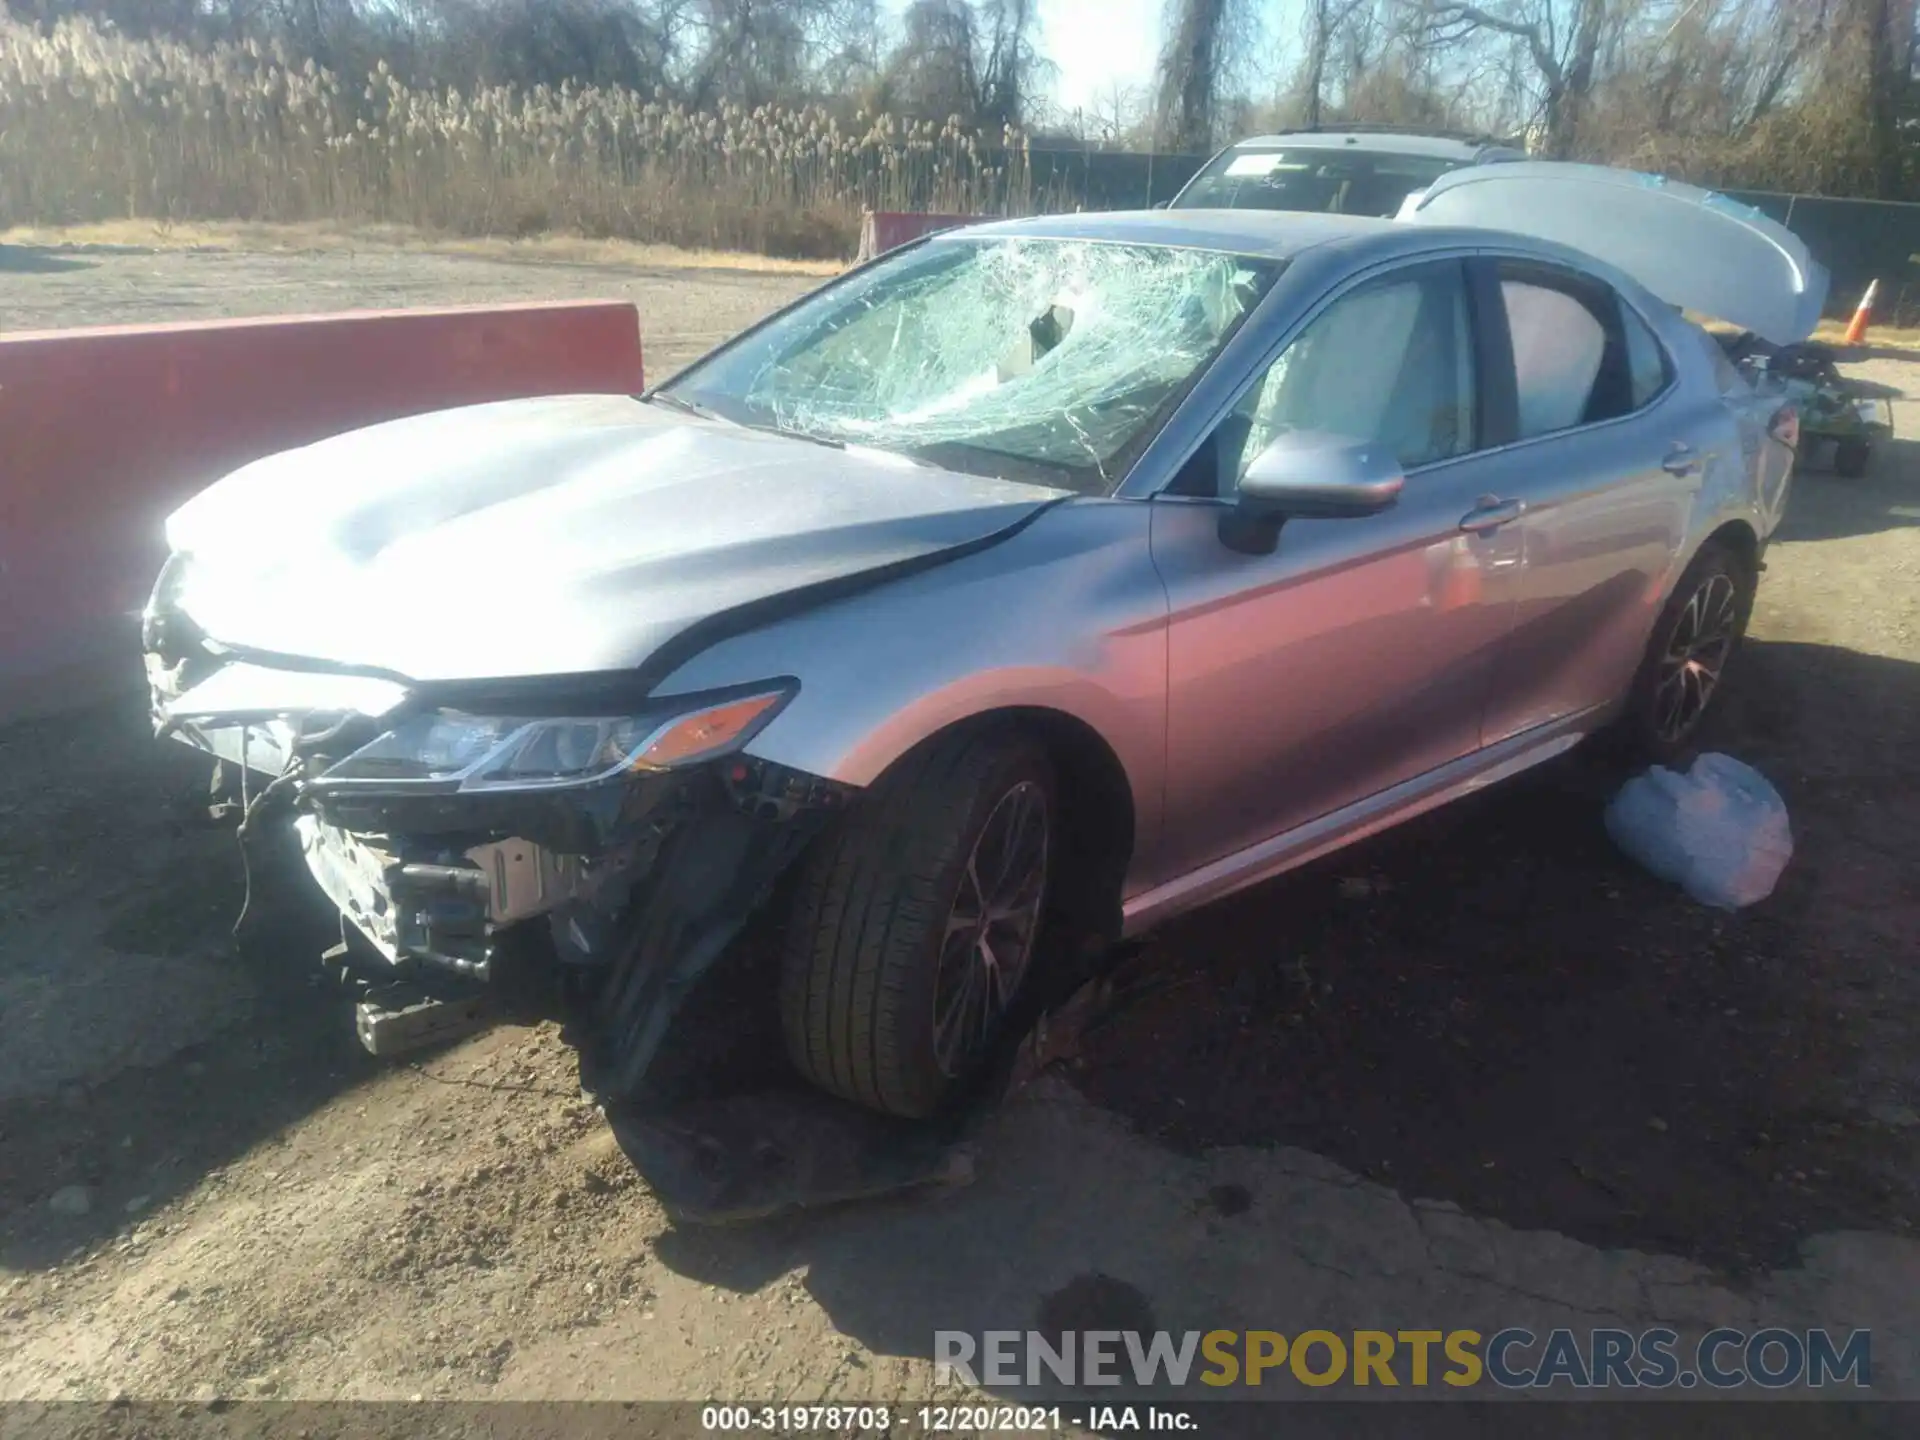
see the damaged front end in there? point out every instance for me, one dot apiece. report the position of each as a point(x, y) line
point(617, 840)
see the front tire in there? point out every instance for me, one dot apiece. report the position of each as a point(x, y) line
point(1699, 630)
point(915, 921)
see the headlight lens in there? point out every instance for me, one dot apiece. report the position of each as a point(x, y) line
point(474, 753)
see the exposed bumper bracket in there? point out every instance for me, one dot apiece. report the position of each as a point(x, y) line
point(395, 1019)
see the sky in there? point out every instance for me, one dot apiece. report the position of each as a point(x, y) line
point(1094, 46)
point(1097, 44)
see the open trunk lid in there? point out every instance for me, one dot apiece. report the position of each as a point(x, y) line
point(1691, 247)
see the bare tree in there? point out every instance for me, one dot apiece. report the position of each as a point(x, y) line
point(849, 49)
point(934, 69)
point(138, 17)
point(1191, 65)
point(1119, 113)
point(1711, 70)
point(1010, 64)
point(1785, 94)
point(1886, 34)
point(979, 62)
point(1325, 20)
point(1562, 39)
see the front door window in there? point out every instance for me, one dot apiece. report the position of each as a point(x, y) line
point(1391, 362)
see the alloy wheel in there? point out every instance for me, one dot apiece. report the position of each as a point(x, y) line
point(991, 928)
point(1695, 658)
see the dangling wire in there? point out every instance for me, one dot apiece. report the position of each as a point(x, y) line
point(249, 803)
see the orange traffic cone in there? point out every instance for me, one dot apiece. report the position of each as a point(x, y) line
point(1857, 327)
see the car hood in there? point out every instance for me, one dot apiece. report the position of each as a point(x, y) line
point(1691, 247)
point(548, 537)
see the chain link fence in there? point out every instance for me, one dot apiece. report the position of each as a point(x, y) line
point(1859, 241)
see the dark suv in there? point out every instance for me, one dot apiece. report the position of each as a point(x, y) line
point(1350, 171)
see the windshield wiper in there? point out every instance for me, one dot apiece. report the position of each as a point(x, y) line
point(826, 440)
point(707, 412)
point(686, 407)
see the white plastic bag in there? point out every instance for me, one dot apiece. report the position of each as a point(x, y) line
point(1719, 831)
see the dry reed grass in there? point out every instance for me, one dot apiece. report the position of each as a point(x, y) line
point(96, 126)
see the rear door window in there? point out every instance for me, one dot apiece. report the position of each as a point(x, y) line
point(1558, 344)
point(1577, 358)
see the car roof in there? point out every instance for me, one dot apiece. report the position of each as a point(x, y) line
point(1271, 234)
point(1439, 147)
point(1278, 235)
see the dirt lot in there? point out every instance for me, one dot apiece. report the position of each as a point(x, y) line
point(1479, 1072)
point(683, 311)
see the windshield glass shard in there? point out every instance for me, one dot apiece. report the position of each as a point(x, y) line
point(1028, 359)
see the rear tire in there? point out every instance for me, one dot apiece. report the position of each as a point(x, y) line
point(1697, 635)
point(895, 974)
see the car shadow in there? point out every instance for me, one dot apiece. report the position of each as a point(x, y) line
point(1489, 1008)
point(1827, 506)
point(141, 1046)
point(38, 260)
point(1854, 354)
point(1493, 1007)
point(1875, 389)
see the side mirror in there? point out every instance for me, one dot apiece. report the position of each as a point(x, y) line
point(1309, 475)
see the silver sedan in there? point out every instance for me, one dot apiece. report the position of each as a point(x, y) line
point(1023, 589)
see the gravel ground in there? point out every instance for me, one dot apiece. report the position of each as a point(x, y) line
point(683, 312)
point(1479, 1071)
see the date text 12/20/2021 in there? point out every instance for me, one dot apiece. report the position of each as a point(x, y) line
point(943, 1419)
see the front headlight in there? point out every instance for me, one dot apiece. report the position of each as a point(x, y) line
point(164, 600)
point(447, 750)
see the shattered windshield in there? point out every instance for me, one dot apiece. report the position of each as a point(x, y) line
point(1342, 182)
point(1050, 361)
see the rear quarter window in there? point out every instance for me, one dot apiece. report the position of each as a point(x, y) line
point(1726, 375)
point(1649, 370)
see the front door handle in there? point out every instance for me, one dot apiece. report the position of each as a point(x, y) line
point(1490, 514)
point(1681, 460)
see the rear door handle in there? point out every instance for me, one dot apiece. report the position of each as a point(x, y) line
point(1490, 514)
point(1681, 460)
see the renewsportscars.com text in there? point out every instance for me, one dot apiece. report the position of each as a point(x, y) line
point(1514, 1358)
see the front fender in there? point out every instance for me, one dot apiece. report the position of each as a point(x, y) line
point(1067, 616)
